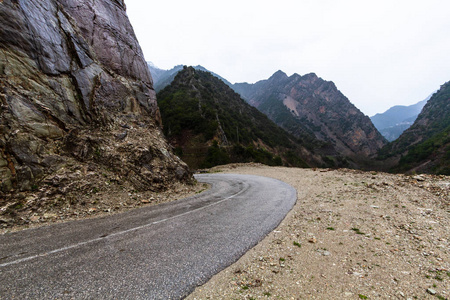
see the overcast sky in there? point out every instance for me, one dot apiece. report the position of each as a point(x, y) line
point(378, 53)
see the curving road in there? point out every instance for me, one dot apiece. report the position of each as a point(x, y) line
point(157, 252)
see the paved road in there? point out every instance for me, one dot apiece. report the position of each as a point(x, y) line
point(158, 252)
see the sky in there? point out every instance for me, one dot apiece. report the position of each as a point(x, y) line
point(378, 53)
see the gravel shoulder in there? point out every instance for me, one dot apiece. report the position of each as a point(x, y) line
point(351, 235)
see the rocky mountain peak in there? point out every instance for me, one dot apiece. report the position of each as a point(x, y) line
point(278, 75)
point(311, 77)
point(310, 106)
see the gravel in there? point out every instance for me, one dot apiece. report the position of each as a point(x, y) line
point(351, 235)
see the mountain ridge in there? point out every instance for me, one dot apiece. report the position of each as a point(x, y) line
point(203, 117)
point(163, 78)
point(310, 106)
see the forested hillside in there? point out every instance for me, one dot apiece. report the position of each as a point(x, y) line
point(209, 124)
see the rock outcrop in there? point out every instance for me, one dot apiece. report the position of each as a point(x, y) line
point(75, 89)
point(310, 106)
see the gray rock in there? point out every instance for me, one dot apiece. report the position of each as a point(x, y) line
point(419, 178)
point(122, 136)
point(70, 73)
point(431, 291)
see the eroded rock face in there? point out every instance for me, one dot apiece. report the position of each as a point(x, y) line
point(74, 85)
point(317, 108)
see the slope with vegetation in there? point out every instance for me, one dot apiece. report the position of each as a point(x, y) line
point(393, 122)
point(425, 146)
point(209, 124)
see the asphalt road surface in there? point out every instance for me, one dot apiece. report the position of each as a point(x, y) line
point(156, 252)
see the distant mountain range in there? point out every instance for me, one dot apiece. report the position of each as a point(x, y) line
point(397, 119)
point(209, 124)
point(335, 133)
point(425, 146)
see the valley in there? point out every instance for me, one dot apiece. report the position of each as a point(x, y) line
point(92, 132)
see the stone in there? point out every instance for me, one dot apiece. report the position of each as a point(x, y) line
point(431, 291)
point(122, 136)
point(49, 216)
point(323, 252)
point(419, 178)
point(34, 218)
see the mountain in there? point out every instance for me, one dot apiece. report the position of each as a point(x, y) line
point(397, 119)
point(162, 78)
point(77, 97)
point(425, 146)
point(311, 108)
point(209, 124)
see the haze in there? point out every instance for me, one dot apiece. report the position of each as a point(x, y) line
point(378, 53)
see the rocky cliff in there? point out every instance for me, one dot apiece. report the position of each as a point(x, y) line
point(310, 106)
point(76, 94)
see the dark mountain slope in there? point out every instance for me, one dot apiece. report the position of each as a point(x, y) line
point(310, 107)
point(209, 124)
point(425, 146)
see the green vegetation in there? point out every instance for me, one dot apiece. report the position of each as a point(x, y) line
point(297, 244)
point(357, 231)
point(426, 150)
point(215, 156)
point(427, 140)
point(208, 124)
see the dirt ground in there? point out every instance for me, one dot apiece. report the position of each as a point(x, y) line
point(351, 235)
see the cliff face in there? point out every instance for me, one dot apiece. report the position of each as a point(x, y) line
point(74, 87)
point(308, 105)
